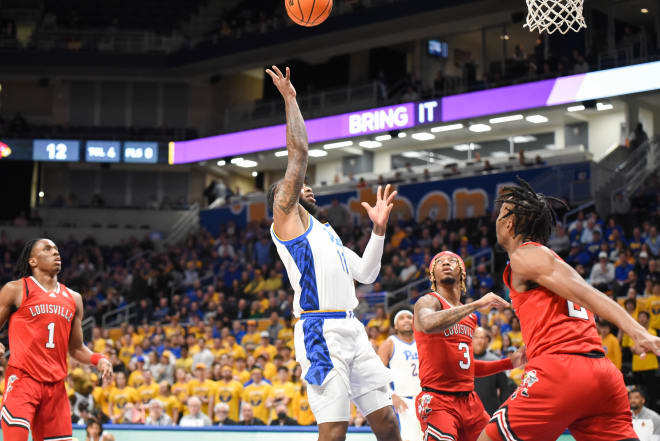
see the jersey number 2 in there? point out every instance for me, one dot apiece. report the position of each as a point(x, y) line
point(466, 353)
point(578, 312)
point(51, 334)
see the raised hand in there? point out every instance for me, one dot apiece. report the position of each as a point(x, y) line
point(380, 212)
point(492, 300)
point(283, 83)
point(106, 369)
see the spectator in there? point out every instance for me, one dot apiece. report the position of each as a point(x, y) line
point(156, 415)
point(492, 390)
point(640, 412)
point(559, 241)
point(602, 273)
point(221, 410)
point(638, 136)
point(621, 204)
point(94, 430)
point(653, 241)
point(195, 417)
point(338, 215)
point(248, 417)
point(644, 369)
point(611, 344)
point(282, 418)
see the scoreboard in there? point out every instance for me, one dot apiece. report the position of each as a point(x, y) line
point(73, 150)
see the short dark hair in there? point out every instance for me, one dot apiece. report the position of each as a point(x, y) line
point(270, 196)
point(646, 313)
point(639, 389)
point(535, 217)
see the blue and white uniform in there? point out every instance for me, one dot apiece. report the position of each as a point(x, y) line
point(338, 362)
point(404, 364)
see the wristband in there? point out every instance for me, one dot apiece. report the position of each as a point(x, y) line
point(96, 357)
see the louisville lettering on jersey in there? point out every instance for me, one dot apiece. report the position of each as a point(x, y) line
point(459, 328)
point(51, 309)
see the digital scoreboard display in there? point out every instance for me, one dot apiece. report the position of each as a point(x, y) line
point(57, 150)
point(102, 151)
point(140, 152)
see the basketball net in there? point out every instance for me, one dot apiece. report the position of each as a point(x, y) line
point(555, 15)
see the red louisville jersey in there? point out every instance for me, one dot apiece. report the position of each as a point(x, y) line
point(446, 359)
point(550, 324)
point(39, 331)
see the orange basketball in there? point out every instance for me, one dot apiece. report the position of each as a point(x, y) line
point(308, 12)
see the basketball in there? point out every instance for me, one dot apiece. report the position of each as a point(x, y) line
point(308, 12)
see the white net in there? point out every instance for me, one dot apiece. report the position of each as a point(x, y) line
point(555, 16)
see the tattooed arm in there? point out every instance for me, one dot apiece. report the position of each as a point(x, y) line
point(430, 320)
point(287, 220)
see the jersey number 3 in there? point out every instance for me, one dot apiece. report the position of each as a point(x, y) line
point(51, 334)
point(466, 353)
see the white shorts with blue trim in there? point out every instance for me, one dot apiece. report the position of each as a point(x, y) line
point(328, 347)
point(410, 427)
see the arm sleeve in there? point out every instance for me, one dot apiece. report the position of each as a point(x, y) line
point(365, 269)
point(487, 368)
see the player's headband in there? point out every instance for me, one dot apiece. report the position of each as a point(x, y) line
point(444, 253)
point(398, 314)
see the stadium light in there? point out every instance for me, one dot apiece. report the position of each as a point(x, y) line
point(537, 119)
point(446, 128)
point(503, 119)
point(220, 163)
point(423, 136)
point(576, 108)
point(383, 138)
point(254, 174)
point(337, 145)
point(479, 128)
point(371, 144)
point(282, 153)
point(604, 106)
point(316, 153)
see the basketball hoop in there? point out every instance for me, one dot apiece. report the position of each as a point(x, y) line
point(555, 15)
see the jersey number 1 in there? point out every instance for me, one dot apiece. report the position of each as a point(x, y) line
point(51, 334)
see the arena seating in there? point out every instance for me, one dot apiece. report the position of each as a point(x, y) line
point(216, 301)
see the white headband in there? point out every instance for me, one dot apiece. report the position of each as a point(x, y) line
point(403, 311)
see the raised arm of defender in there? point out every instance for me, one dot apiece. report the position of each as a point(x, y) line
point(539, 265)
point(365, 269)
point(286, 219)
point(11, 296)
point(430, 320)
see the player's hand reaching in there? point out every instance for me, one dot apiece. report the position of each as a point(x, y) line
point(282, 82)
point(380, 212)
point(519, 358)
point(492, 300)
point(399, 405)
point(106, 369)
point(646, 342)
point(2, 350)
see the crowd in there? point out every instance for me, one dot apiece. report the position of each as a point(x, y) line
point(211, 339)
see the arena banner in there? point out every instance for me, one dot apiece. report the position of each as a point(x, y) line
point(452, 198)
point(533, 95)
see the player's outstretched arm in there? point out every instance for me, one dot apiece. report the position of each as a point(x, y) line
point(77, 348)
point(429, 320)
point(286, 219)
point(488, 368)
point(10, 298)
point(365, 269)
point(539, 265)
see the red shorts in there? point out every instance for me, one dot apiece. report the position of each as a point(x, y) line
point(585, 395)
point(450, 417)
point(28, 403)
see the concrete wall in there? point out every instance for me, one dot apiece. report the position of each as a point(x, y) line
point(604, 132)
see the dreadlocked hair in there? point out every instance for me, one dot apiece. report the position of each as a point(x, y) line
point(433, 281)
point(23, 268)
point(535, 217)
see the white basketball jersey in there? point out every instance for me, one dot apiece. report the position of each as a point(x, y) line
point(317, 269)
point(404, 364)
